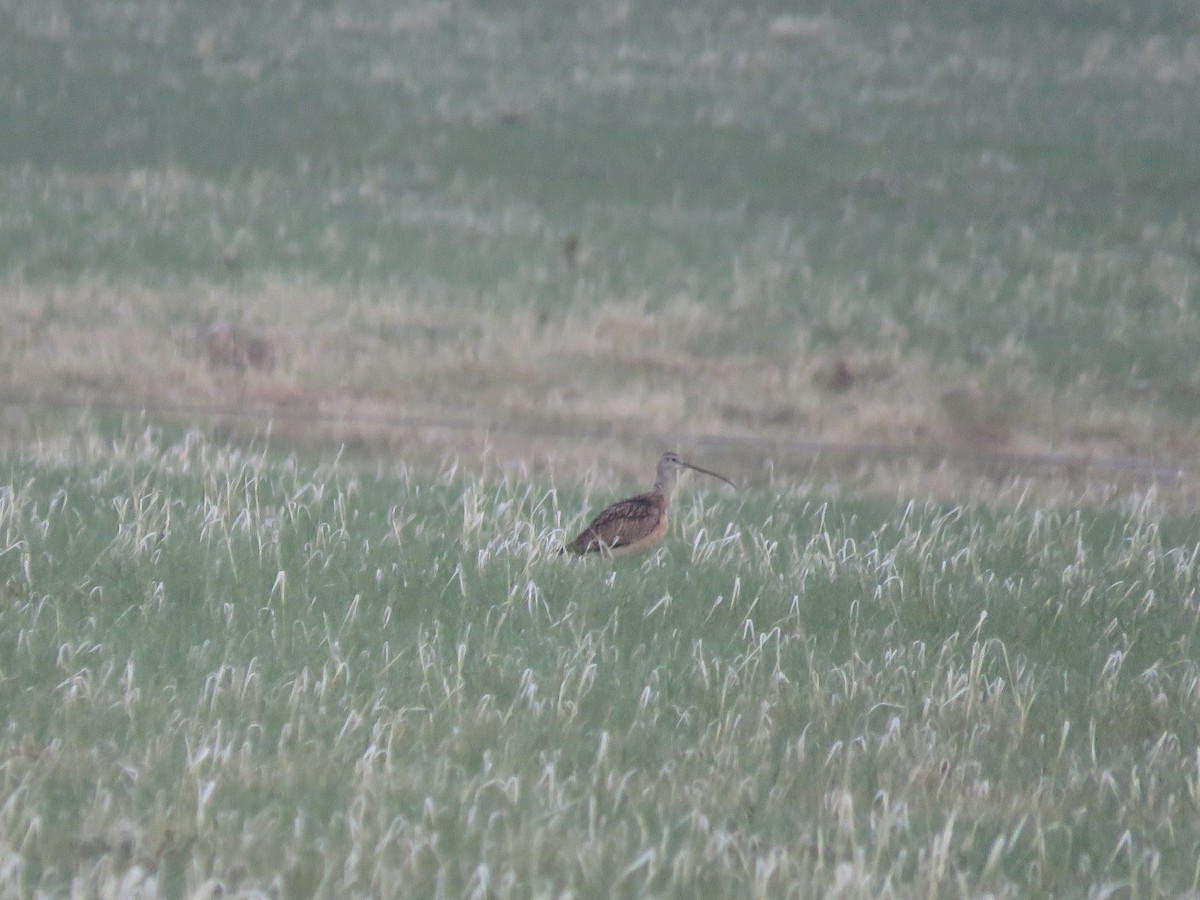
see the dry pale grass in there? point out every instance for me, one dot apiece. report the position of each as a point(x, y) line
point(394, 376)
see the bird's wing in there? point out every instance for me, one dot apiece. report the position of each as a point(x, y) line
point(618, 525)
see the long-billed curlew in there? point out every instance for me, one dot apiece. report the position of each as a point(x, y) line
point(639, 523)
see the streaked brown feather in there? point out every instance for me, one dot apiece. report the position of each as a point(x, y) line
point(638, 523)
point(625, 525)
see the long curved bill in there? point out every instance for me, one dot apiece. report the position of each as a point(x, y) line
point(688, 465)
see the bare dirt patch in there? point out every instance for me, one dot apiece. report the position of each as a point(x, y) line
point(597, 387)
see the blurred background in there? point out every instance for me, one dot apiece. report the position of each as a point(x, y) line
point(928, 246)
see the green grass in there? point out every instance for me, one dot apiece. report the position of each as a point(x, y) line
point(221, 669)
point(967, 226)
point(973, 175)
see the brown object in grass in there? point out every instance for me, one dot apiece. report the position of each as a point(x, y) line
point(638, 523)
point(228, 346)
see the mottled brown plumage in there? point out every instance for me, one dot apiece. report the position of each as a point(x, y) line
point(638, 523)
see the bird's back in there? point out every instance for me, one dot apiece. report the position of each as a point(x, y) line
point(628, 526)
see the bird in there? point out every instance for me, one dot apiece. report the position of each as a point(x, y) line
point(636, 524)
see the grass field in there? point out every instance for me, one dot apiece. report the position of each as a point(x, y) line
point(952, 225)
point(324, 322)
point(227, 672)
